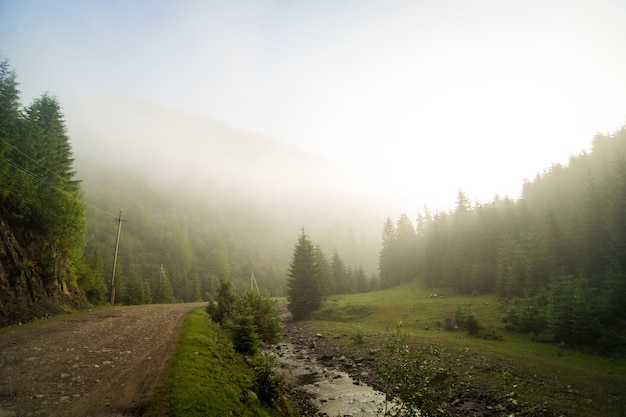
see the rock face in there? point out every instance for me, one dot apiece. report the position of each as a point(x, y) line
point(24, 293)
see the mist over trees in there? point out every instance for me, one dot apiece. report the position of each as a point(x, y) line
point(557, 254)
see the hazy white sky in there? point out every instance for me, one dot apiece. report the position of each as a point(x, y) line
point(421, 97)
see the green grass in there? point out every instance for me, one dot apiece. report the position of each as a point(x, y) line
point(207, 377)
point(563, 380)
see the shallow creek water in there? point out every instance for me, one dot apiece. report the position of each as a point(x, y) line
point(335, 392)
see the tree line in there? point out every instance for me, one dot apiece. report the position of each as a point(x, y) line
point(556, 255)
point(312, 277)
point(172, 248)
point(40, 198)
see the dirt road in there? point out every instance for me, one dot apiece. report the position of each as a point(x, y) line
point(101, 364)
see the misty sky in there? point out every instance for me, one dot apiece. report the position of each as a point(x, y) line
point(420, 97)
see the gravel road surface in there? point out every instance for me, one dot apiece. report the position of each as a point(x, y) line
point(101, 364)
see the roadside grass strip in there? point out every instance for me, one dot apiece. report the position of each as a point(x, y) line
point(207, 377)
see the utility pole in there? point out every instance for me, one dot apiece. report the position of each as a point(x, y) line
point(253, 284)
point(117, 244)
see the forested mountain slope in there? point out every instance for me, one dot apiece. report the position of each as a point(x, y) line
point(206, 202)
point(557, 254)
point(200, 202)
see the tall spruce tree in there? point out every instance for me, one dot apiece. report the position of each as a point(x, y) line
point(387, 258)
point(57, 213)
point(10, 126)
point(303, 293)
point(39, 197)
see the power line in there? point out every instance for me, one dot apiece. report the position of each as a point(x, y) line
point(47, 183)
point(32, 159)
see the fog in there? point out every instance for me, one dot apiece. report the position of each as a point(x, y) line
point(387, 105)
point(174, 149)
point(207, 162)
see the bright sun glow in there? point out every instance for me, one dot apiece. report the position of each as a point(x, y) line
point(418, 98)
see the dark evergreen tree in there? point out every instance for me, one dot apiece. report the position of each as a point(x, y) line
point(360, 280)
point(10, 118)
point(324, 277)
point(387, 259)
point(163, 292)
point(408, 259)
point(304, 294)
point(338, 274)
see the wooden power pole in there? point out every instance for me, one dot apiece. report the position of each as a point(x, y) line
point(117, 244)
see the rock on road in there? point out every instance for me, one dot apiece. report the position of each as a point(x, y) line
point(100, 364)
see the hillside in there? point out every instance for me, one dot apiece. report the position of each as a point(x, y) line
point(216, 202)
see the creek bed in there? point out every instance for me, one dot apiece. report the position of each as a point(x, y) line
point(334, 392)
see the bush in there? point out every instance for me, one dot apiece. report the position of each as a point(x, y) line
point(465, 320)
point(266, 317)
point(416, 380)
point(268, 386)
point(243, 333)
point(358, 336)
point(250, 318)
point(525, 315)
point(219, 309)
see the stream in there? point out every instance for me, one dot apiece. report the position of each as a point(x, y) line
point(334, 392)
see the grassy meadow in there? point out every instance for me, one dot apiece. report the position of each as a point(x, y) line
point(545, 375)
point(207, 377)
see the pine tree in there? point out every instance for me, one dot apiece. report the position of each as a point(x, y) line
point(10, 127)
point(338, 273)
point(387, 259)
point(304, 294)
point(408, 260)
point(10, 114)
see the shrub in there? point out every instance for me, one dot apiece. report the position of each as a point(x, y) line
point(266, 316)
point(525, 315)
point(219, 309)
point(358, 336)
point(465, 319)
point(250, 318)
point(417, 379)
point(268, 386)
point(243, 333)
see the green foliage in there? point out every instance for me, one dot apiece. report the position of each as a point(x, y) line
point(527, 315)
point(207, 377)
point(163, 292)
point(225, 302)
point(568, 222)
point(243, 332)
point(39, 197)
point(265, 314)
point(466, 320)
point(304, 292)
point(398, 260)
point(573, 312)
point(269, 386)
point(416, 380)
point(250, 318)
point(563, 381)
point(357, 336)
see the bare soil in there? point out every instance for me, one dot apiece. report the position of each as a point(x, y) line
point(105, 363)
